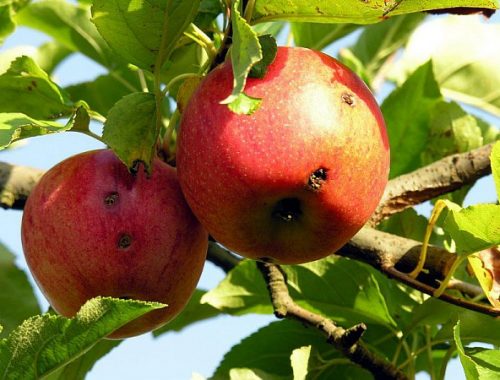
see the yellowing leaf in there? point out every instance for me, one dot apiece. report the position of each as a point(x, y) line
point(486, 268)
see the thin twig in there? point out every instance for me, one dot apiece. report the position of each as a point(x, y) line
point(16, 182)
point(345, 340)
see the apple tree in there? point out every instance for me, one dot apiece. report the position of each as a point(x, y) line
point(415, 287)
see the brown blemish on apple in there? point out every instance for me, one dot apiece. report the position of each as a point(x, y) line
point(287, 210)
point(111, 199)
point(124, 241)
point(316, 179)
point(348, 98)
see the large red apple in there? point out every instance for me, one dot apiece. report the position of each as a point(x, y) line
point(90, 228)
point(295, 180)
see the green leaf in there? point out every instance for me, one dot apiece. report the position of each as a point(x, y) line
point(17, 301)
point(42, 344)
point(194, 311)
point(68, 24)
point(244, 105)
point(7, 26)
point(343, 290)
point(379, 41)
point(250, 374)
point(300, 362)
point(270, 349)
point(186, 59)
point(458, 48)
point(495, 166)
point(467, 363)
point(407, 114)
point(50, 55)
point(474, 228)
point(130, 129)
point(452, 130)
point(318, 36)
point(207, 13)
point(487, 362)
point(245, 53)
point(406, 224)
point(474, 326)
point(140, 30)
point(17, 126)
point(78, 368)
point(358, 12)
point(242, 291)
point(103, 92)
point(269, 50)
point(47, 56)
point(478, 363)
point(26, 88)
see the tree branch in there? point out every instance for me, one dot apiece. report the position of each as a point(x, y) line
point(396, 256)
point(16, 183)
point(393, 255)
point(346, 341)
point(441, 177)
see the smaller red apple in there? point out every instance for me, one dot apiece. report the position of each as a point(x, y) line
point(90, 228)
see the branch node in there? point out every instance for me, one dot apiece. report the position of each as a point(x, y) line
point(352, 335)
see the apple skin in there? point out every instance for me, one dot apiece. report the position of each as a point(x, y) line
point(90, 228)
point(295, 180)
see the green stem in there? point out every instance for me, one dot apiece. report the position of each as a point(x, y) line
point(199, 36)
point(249, 11)
point(160, 59)
point(428, 345)
point(88, 132)
point(170, 129)
point(142, 80)
point(444, 362)
point(177, 79)
point(444, 284)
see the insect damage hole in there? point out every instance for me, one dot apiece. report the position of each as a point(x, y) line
point(111, 199)
point(124, 241)
point(287, 210)
point(348, 98)
point(316, 179)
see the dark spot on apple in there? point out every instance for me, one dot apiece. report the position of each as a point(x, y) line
point(124, 241)
point(316, 179)
point(124, 298)
point(111, 199)
point(287, 210)
point(348, 99)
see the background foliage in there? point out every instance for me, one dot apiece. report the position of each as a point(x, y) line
point(439, 78)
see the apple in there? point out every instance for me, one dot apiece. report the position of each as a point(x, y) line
point(90, 228)
point(295, 180)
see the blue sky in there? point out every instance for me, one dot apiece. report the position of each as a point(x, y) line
point(198, 348)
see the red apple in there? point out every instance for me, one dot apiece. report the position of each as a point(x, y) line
point(295, 180)
point(90, 228)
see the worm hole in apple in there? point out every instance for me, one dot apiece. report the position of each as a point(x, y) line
point(124, 241)
point(111, 198)
point(317, 178)
point(348, 98)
